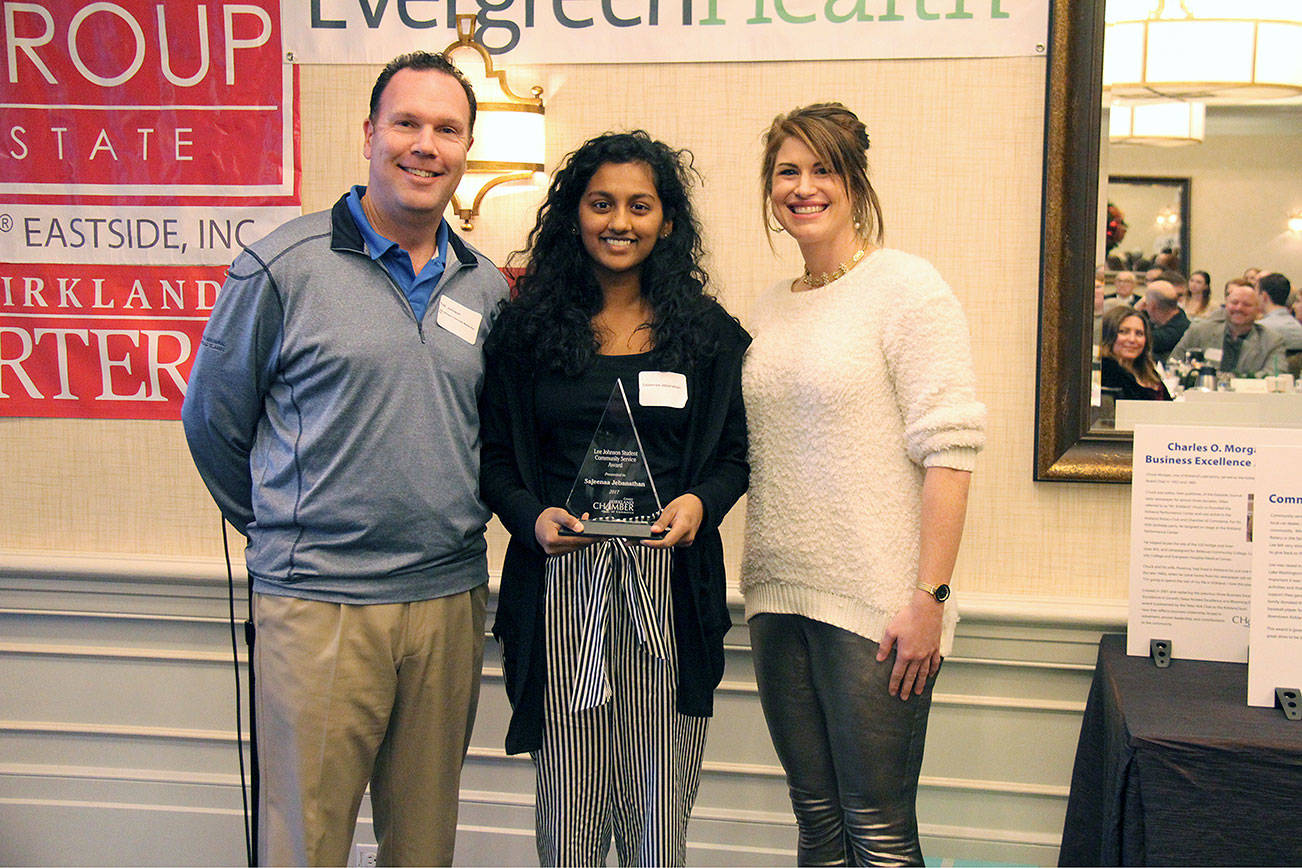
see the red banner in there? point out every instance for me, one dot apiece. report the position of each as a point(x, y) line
point(142, 145)
point(145, 98)
point(103, 341)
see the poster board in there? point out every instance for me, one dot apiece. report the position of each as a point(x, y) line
point(1275, 628)
point(1192, 541)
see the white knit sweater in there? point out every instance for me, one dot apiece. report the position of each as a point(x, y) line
point(851, 391)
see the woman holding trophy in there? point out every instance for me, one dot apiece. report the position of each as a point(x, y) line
point(613, 380)
point(864, 430)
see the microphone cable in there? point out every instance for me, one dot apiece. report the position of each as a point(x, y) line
point(250, 823)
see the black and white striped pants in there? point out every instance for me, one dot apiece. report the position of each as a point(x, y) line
point(617, 758)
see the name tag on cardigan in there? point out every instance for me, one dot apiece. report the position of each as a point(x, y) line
point(459, 319)
point(662, 389)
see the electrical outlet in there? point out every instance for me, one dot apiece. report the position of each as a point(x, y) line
point(364, 856)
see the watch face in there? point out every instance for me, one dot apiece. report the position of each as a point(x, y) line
point(942, 593)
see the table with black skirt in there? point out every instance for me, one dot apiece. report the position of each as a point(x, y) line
point(1174, 768)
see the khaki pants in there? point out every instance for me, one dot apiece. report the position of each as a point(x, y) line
point(349, 694)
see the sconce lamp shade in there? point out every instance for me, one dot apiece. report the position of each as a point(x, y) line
point(510, 136)
point(1165, 124)
point(1208, 50)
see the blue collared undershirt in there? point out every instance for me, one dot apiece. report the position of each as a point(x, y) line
point(419, 288)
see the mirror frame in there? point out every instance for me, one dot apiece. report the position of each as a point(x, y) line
point(1065, 448)
point(1180, 184)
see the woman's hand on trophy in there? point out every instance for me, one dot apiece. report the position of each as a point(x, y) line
point(546, 529)
point(679, 521)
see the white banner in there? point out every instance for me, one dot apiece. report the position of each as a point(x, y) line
point(648, 31)
point(134, 234)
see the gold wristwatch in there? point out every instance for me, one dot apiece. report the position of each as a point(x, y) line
point(940, 592)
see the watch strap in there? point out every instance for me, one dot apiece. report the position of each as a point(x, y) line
point(939, 592)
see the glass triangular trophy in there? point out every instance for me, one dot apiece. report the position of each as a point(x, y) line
point(614, 488)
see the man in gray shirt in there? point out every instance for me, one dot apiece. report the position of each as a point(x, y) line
point(1238, 345)
point(1274, 290)
point(332, 413)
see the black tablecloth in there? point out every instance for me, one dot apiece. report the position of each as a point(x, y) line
point(1173, 768)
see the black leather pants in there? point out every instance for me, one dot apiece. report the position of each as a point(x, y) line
point(851, 751)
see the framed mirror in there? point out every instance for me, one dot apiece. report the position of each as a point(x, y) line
point(1156, 213)
point(1065, 447)
point(1242, 183)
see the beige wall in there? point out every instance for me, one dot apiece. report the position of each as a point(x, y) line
point(957, 160)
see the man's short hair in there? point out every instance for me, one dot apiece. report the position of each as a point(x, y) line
point(1276, 286)
point(422, 60)
point(1159, 298)
point(1174, 278)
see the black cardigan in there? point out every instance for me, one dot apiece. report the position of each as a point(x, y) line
point(1117, 377)
point(714, 468)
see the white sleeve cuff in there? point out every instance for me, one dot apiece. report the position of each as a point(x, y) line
point(957, 458)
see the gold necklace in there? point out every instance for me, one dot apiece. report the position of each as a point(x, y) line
point(827, 277)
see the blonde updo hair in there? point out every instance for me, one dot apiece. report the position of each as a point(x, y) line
point(840, 141)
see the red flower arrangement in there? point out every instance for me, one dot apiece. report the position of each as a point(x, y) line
point(1116, 226)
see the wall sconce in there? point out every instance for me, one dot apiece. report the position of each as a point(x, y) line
point(510, 136)
point(1295, 223)
point(1165, 124)
point(1167, 220)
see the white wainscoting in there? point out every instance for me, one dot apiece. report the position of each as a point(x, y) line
point(117, 722)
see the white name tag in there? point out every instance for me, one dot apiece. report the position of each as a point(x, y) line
point(459, 319)
point(662, 389)
point(1213, 355)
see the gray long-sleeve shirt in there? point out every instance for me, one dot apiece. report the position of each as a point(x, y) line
point(333, 429)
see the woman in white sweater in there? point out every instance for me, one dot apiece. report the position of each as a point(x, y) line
point(864, 430)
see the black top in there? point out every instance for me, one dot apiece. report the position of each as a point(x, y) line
point(712, 465)
point(1167, 335)
point(570, 408)
point(1117, 377)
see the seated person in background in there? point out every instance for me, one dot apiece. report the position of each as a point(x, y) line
point(1198, 303)
point(1162, 306)
point(1152, 274)
point(1273, 291)
point(1125, 293)
point(1218, 314)
point(1246, 348)
point(1100, 293)
point(1127, 359)
point(1297, 308)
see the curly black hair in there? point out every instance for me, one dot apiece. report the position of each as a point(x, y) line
point(549, 322)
